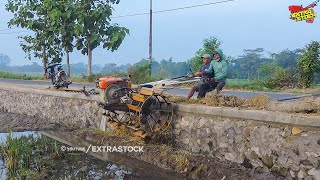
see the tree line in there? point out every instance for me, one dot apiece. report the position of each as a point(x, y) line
point(287, 68)
point(59, 27)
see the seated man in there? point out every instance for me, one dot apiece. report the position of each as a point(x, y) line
point(206, 58)
point(219, 67)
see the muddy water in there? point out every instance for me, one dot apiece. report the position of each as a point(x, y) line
point(140, 169)
point(91, 165)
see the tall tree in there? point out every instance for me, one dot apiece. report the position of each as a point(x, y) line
point(287, 59)
point(94, 28)
point(309, 64)
point(267, 69)
point(62, 19)
point(250, 61)
point(32, 15)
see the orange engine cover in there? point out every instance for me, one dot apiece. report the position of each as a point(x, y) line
point(104, 82)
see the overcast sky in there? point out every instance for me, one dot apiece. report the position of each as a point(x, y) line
point(242, 24)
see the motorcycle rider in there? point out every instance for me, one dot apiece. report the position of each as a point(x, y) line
point(58, 79)
point(51, 74)
point(59, 74)
point(61, 78)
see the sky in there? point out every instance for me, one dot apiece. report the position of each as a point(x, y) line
point(240, 24)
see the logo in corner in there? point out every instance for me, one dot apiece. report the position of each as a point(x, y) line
point(299, 13)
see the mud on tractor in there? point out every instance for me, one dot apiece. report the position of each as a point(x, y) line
point(143, 110)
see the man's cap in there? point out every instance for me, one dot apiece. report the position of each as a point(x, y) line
point(206, 56)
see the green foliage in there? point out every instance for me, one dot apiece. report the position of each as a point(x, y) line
point(33, 15)
point(93, 27)
point(309, 64)
point(267, 69)
point(252, 65)
point(209, 45)
point(92, 77)
point(169, 69)
point(113, 68)
point(245, 84)
point(287, 59)
point(19, 76)
point(62, 19)
point(140, 72)
point(281, 78)
point(250, 61)
point(56, 23)
point(160, 70)
point(26, 156)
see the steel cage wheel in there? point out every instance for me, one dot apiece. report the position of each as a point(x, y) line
point(158, 113)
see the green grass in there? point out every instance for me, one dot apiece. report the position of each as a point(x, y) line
point(245, 84)
point(8, 75)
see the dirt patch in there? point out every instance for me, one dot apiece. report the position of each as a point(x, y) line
point(308, 106)
point(17, 122)
point(165, 155)
point(258, 102)
point(220, 100)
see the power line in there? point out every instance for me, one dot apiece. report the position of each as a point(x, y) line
point(175, 9)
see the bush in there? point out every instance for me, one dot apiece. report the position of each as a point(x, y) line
point(282, 79)
point(8, 75)
point(309, 64)
point(91, 78)
point(244, 84)
point(140, 73)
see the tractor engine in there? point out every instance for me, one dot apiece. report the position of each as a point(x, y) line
point(112, 89)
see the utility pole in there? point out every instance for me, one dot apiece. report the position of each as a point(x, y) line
point(150, 39)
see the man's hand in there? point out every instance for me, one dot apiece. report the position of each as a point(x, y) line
point(199, 73)
point(210, 79)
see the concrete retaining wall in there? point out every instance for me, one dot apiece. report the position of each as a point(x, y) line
point(286, 144)
point(283, 143)
point(60, 107)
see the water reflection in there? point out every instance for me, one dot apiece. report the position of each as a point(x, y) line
point(3, 136)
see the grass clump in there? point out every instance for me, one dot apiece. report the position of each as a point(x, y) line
point(26, 157)
point(181, 160)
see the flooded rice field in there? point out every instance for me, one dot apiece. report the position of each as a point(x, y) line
point(40, 155)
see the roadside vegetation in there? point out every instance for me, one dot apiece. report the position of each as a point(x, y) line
point(28, 157)
point(60, 27)
point(8, 75)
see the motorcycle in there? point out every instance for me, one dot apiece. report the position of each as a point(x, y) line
point(59, 79)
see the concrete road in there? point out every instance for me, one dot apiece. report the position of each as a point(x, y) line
point(42, 83)
point(174, 91)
